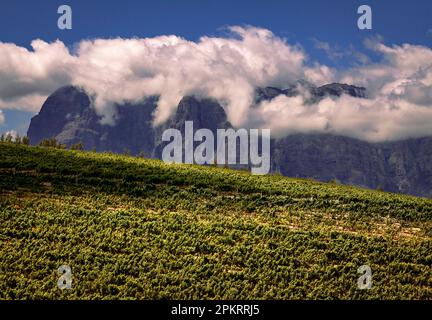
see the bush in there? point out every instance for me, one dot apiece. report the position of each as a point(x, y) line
point(52, 143)
point(18, 139)
point(77, 146)
point(8, 138)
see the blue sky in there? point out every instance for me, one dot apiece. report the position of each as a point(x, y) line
point(333, 21)
point(303, 22)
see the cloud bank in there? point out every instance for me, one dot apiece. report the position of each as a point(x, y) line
point(229, 69)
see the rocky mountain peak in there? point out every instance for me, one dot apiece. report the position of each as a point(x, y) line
point(402, 166)
point(338, 89)
point(317, 93)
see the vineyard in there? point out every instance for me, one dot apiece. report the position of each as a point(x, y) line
point(134, 228)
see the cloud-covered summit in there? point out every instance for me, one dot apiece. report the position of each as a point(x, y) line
point(229, 69)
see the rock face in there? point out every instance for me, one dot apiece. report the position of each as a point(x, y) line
point(317, 93)
point(205, 113)
point(402, 166)
point(68, 116)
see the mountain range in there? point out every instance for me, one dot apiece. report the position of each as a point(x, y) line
point(401, 166)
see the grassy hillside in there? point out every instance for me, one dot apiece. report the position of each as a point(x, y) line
point(138, 228)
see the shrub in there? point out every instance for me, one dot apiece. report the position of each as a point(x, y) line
point(52, 143)
point(8, 138)
point(77, 146)
point(18, 139)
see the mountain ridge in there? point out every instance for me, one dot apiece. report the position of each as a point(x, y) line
point(402, 166)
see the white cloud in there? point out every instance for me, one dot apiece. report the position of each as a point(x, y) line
point(229, 69)
point(30, 102)
point(399, 104)
point(116, 70)
point(375, 120)
point(333, 52)
point(11, 133)
point(27, 75)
